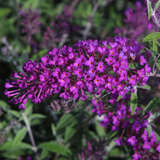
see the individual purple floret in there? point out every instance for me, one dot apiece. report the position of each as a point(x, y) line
point(94, 151)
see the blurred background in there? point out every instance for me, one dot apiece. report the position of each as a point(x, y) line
point(28, 30)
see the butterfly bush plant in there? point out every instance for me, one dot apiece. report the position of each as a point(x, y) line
point(83, 100)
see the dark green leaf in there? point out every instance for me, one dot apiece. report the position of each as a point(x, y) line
point(151, 105)
point(20, 136)
point(133, 101)
point(100, 130)
point(55, 147)
point(66, 120)
point(3, 104)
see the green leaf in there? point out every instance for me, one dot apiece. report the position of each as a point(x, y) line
point(158, 64)
point(25, 146)
point(157, 136)
point(119, 97)
point(157, 5)
point(20, 136)
point(152, 36)
point(133, 101)
point(4, 12)
point(6, 146)
point(53, 128)
point(150, 105)
point(100, 130)
point(39, 54)
point(116, 152)
point(32, 3)
point(155, 47)
point(147, 87)
point(69, 132)
point(14, 113)
point(28, 110)
point(3, 104)
point(37, 116)
point(44, 154)
point(62, 158)
point(10, 146)
point(65, 121)
point(149, 8)
point(55, 147)
point(149, 129)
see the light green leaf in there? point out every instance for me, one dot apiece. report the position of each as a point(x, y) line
point(157, 5)
point(28, 110)
point(155, 47)
point(152, 36)
point(69, 132)
point(53, 127)
point(149, 7)
point(4, 12)
point(14, 113)
point(147, 87)
point(149, 129)
point(32, 3)
point(39, 54)
point(37, 116)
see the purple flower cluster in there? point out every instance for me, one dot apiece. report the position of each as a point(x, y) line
point(31, 25)
point(133, 131)
point(136, 21)
point(60, 28)
point(54, 34)
point(88, 67)
point(95, 151)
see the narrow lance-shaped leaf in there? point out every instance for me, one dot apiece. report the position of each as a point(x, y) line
point(134, 101)
point(69, 132)
point(149, 7)
point(150, 105)
point(55, 147)
point(20, 136)
point(65, 120)
point(157, 5)
point(152, 36)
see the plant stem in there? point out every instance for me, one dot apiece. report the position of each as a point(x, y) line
point(30, 134)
